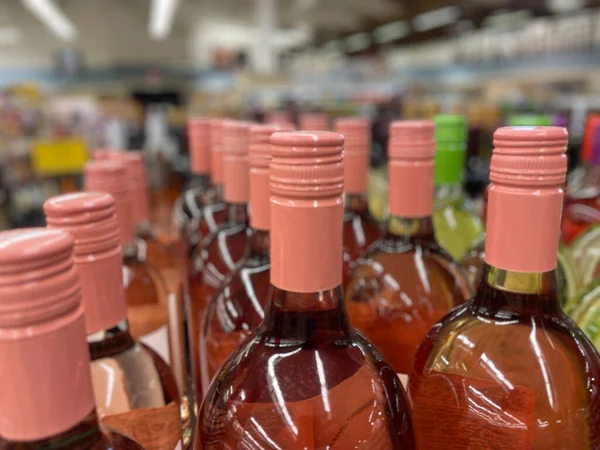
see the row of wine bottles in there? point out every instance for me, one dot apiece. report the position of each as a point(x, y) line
point(308, 327)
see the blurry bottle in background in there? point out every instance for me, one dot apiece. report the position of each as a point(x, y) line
point(304, 378)
point(360, 228)
point(313, 122)
point(407, 282)
point(582, 204)
point(509, 369)
point(221, 250)
point(145, 290)
point(47, 392)
point(202, 189)
point(237, 307)
point(456, 225)
point(528, 120)
point(135, 389)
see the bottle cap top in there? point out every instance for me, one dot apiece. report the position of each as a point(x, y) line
point(235, 137)
point(105, 153)
point(529, 156)
point(528, 120)
point(199, 135)
point(111, 176)
point(450, 148)
point(356, 132)
point(450, 128)
point(307, 164)
point(108, 175)
point(38, 283)
point(314, 122)
point(90, 217)
point(259, 153)
point(411, 139)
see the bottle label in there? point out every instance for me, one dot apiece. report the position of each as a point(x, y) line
point(158, 341)
point(153, 428)
point(456, 412)
point(351, 415)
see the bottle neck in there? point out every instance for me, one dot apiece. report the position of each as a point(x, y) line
point(446, 194)
point(237, 213)
point(516, 292)
point(260, 243)
point(110, 342)
point(85, 434)
point(401, 231)
point(356, 202)
point(306, 317)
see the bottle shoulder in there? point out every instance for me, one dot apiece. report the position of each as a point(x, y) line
point(414, 269)
point(260, 382)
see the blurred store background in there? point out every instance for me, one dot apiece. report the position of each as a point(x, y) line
point(81, 74)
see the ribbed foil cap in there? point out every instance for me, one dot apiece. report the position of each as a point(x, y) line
point(38, 282)
point(307, 164)
point(529, 156)
point(90, 217)
point(259, 158)
point(199, 138)
point(110, 176)
point(314, 122)
point(307, 209)
point(357, 143)
point(411, 139)
point(216, 154)
point(236, 141)
point(410, 170)
point(135, 168)
point(259, 151)
point(45, 375)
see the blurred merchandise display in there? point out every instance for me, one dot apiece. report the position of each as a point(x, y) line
point(456, 224)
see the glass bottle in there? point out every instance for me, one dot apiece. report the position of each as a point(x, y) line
point(145, 291)
point(360, 228)
point(304, 378)
point(221, 250)
point(47, 393)
point(314, 121)
point(509, 369)
point(406, 282)
point(582, 203)
point(205, 157)
point(135, 390)
point(237, 307)
point(456, 225)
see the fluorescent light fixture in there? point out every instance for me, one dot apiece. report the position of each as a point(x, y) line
point(161, 18)
point(436, 18)
point(53, 17)
point(357, 42)
point(391, 31)
point(9, 35)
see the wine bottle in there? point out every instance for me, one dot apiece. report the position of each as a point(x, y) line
point(238, 305)
point(135, 390)
point(509, 369)
point(221, 251)
point(47, 393)
point(406, 282)
point(304, 378)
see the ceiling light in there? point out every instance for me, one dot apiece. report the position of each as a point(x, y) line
point(357, 42)
point(161, 18)
point(9, 35)
point(436, 18)
point(53, 17)
point(391, 31)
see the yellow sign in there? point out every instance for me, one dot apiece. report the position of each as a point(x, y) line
point(59, 156)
